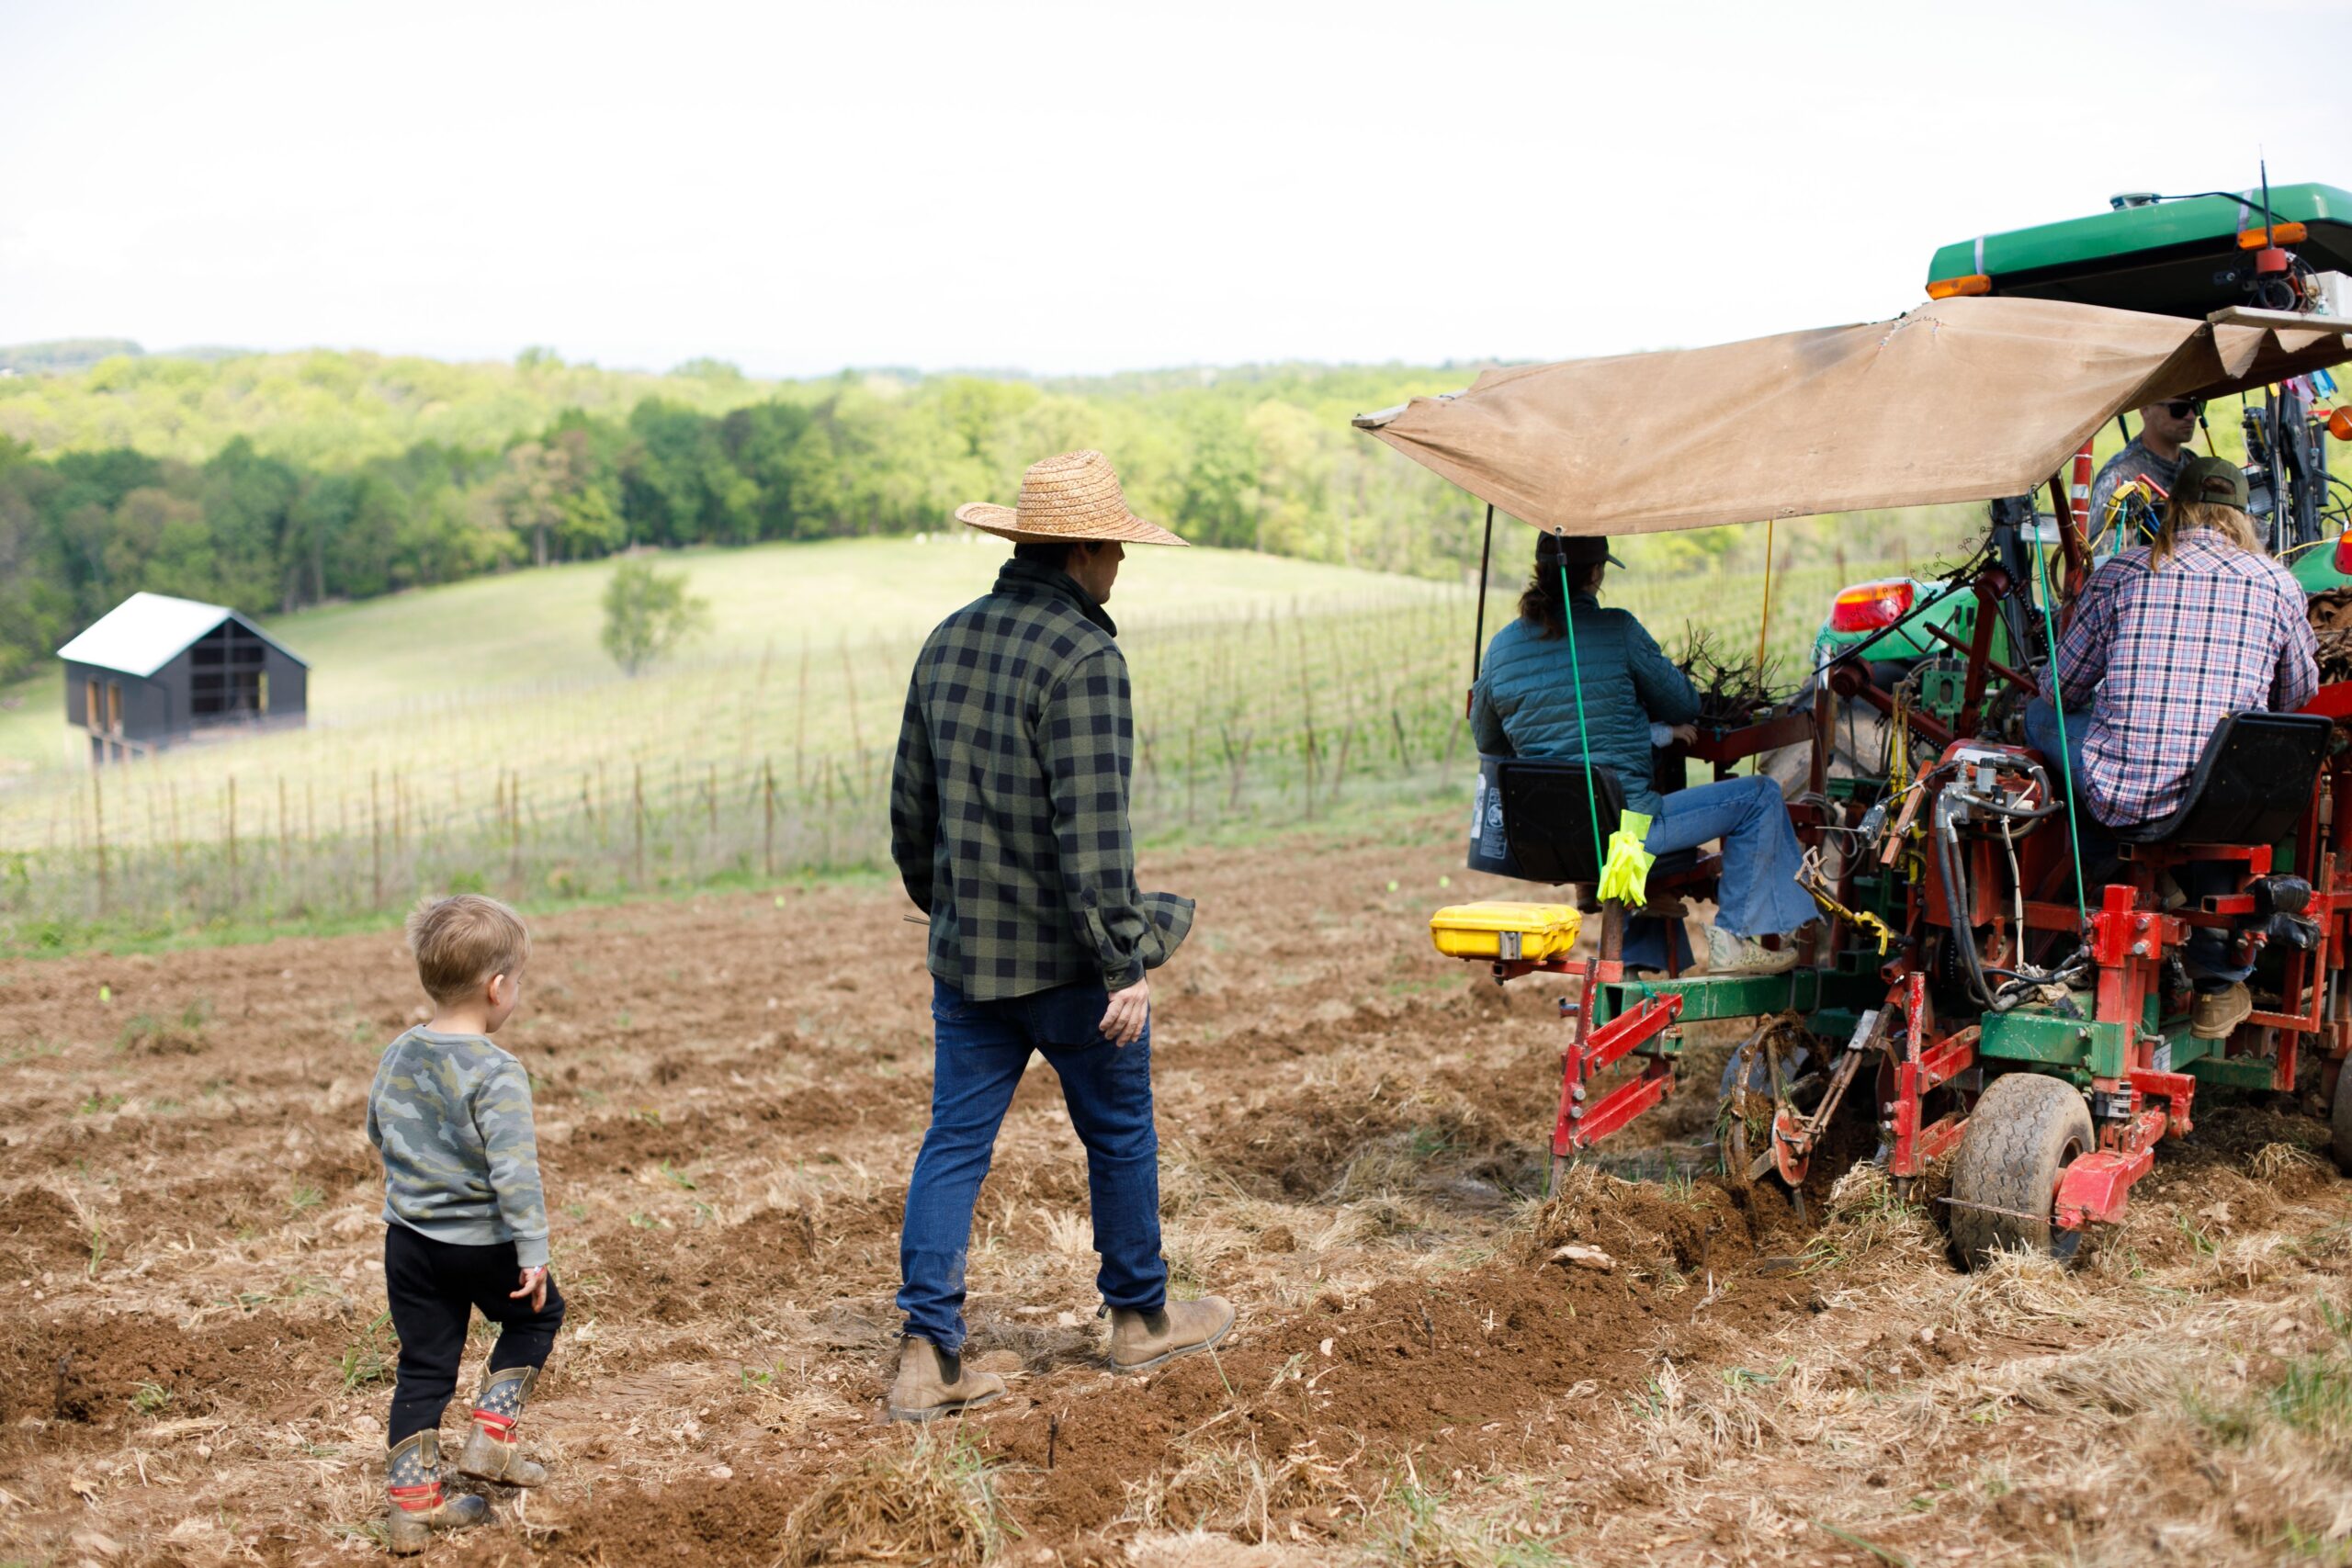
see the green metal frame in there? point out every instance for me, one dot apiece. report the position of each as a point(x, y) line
point(1815, 992)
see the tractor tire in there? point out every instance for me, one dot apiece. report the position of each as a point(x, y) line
point(2339, 1119)
point(2024, 1132)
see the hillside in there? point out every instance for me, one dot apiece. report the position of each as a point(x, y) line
point(471, 641)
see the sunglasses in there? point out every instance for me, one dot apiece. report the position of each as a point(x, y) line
point(2181, 408)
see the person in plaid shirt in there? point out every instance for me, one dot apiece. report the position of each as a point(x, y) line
point(1009, 826)
point(2167, 639)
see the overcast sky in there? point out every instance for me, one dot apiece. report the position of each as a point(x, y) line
point(802, 187)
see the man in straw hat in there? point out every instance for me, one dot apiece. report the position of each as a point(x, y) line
point(1009, 824)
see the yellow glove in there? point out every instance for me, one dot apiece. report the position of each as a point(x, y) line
point(1626, 874)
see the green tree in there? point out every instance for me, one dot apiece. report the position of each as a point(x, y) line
point(647, 614)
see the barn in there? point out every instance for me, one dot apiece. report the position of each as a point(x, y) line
point(155, 669)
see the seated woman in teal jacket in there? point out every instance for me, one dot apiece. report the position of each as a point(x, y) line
point(1525, 705)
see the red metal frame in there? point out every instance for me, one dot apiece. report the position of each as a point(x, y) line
point(1580, 1125)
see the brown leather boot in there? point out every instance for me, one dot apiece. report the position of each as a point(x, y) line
point(412, 1475)
point(490, 1452)
point(1141, 1341)
point(2217, 1013)
point(932, 1383)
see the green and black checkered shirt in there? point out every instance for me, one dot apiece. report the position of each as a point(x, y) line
point(1009, 800)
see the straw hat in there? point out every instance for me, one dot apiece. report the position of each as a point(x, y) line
point(1065, 500)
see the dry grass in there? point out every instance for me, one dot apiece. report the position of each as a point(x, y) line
point(926, 1500)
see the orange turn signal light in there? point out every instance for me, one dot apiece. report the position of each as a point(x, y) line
point(2339, 424)
point(1948, 288)
point(2277, 234)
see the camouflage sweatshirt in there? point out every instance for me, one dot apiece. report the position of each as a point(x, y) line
point(451, 1114)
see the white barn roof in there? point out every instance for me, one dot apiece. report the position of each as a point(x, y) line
point(147, 631)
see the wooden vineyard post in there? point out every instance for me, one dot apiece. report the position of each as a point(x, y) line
point(233, 840)
point(514, 833)
point(375, 841)
point(172, 793)
point(1192, 762)
point(710, 801)
point(767, 793)
point(281, 832)
point(637, 794)
point(801, 719)
point(849, 682)
point(98, 833)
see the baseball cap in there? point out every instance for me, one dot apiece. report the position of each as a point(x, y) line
point(2209, 480)
point(1581, 549)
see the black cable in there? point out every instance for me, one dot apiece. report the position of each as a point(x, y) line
point(1951, 581)
point(2270, 213)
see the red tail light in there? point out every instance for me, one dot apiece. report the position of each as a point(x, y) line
point(1871, 605)
point(2344, 552)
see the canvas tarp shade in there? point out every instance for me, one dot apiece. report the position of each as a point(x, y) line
point(1962, 400)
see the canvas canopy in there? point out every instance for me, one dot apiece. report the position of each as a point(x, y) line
point(1960, 400)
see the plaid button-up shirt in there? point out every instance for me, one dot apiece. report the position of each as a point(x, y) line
point(2163, 655)
point(1009, 799)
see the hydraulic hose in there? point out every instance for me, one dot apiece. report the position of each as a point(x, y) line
point(1944, 833)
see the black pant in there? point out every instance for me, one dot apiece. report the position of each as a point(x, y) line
point(434, 1287)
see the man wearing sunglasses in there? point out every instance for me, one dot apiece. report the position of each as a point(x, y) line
point(2151, 459)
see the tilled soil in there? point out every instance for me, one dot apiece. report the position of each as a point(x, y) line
point(194, 1363)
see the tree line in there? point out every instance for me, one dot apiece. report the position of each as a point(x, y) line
point(313, 501)
point(81, 530)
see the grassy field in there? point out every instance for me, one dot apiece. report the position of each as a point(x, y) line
point(475, 735)
point(521, 629)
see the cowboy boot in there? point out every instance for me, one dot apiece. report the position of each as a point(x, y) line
point(490, 1452)
point(1141, 1341)
point(932, 1382)
point(412, 1475)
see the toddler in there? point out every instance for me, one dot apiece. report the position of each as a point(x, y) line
point(466, 1226)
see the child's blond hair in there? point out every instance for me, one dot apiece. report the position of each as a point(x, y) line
point(462, 941)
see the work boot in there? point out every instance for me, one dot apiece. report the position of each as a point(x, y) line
point(490, 1452)
point(932, 1382)
point(1729, 954)
point(2220, 1012)
point(1141, 1341)
point(412, 1475)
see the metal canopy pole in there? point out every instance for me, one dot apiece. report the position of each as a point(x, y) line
point(1478, 636)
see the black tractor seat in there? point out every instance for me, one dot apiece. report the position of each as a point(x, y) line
point(1548, 820)
point(2252, 784)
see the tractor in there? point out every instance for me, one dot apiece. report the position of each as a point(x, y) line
point(1978, 988)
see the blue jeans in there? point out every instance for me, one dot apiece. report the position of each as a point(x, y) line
point(1756, 894)
point(2041, 734)
point(2206, 954)
point(981, 1050)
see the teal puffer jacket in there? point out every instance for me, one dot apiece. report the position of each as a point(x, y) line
point(1525, 702)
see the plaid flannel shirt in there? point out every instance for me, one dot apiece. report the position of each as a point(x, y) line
point(2163, 655)
point(1008, 798)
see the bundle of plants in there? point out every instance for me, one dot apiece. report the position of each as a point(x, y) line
point(2331, 616)
point(1733, 688)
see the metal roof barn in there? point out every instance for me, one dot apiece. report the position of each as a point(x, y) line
point(156, 670)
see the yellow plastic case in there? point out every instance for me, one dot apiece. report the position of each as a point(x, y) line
point(1502, 931)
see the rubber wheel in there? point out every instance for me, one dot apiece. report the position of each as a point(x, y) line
point(2340, 1118)
point(2025, 1131)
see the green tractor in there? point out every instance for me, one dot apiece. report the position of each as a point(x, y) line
point(2217, 253)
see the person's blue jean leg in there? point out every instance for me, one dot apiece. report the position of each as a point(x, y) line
point(2041, 734)
point(1108, 1090)
point(981, 1049)
point(1756, 894)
